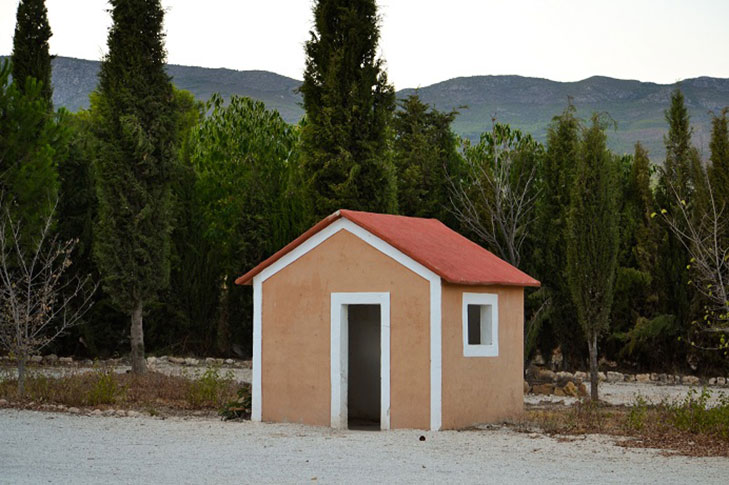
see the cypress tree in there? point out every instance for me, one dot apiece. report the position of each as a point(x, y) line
point(137, 134)
point(349, 105)
point(426, 156)
point(592, 239)
point(30, 47)
point(719, 168)
point(561, 326)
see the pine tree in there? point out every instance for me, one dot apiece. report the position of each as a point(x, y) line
point(30, 47)
point(349, 104)
point(561, 326)
point(426, 157)
point(136, 131)
point(592, 239)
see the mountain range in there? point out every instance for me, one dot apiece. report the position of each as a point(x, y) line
point(523, 102)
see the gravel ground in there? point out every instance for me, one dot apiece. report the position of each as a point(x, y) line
point(37, 447)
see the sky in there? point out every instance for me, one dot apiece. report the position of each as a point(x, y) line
point(427, 41)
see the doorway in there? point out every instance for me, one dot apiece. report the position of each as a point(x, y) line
point(363, 383)
point(360, 360)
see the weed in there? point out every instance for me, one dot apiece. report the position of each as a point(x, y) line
point(105, 390)
point(210, 388)
point(239, 408)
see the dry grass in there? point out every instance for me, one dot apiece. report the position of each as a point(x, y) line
point(689, 427)
point(103, 388)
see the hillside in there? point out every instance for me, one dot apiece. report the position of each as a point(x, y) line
point(525, 103)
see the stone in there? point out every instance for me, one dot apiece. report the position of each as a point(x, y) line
point(720, 381)
point(65, 360)
point(109, 412)
point(580, 376)
point(87, 362)
point(582, 389)
point(565, 376)
point(570, 389)
point(543, 389)
point(614, 376)
point(120, 413)
point(74, 410)
point(36, 359)
point(162, 358)
point(133, 414)
point(601, 377)
point(690, 380)
point(191, 361)
point(50, 359)
point(654, 377)
point(176, 360)
point(546, 375)
point(229, 362)
point(97, 412)
point(151, 360)
point(712, 381)
point(558, 391)
point(3, 402)
point(629, 377)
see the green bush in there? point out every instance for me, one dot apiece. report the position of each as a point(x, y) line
point(105, 389)
point(694, 413)
point(210, 388)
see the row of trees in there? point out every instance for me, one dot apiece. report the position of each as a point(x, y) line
point(170, 199)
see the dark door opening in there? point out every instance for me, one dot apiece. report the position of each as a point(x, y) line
point(363, 380)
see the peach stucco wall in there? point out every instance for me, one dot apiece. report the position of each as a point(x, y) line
point(482, 389)
point(295, 353)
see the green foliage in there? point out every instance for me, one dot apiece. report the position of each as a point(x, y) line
point(719, 168)
point(239, 408)
point(105, 389)
point(695, 413)
point(210, 388)
point(346, 138)
point(31, 141)
point(426, 157)
point(560, 325)
point(137, 134)
point(30, 57)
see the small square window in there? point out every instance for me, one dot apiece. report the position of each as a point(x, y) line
point(480, 325)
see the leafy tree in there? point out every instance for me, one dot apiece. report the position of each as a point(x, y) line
point(246, 163)
point(137, 134)
point(426, 158)
point(592, 239)
point(349, 104)
point(30, 55)
point(559, 327)
point(30, 139)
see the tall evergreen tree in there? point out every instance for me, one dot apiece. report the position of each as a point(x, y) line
point(675, 183)
point(426, 157)
point(137, 134)
point(719, 168)
point(592, 239)
point(560, 325)
point(349, 104)
point(30, 47)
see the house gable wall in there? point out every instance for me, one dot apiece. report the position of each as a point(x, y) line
point(295, 340)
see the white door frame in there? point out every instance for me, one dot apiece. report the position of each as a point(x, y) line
point(340, 354)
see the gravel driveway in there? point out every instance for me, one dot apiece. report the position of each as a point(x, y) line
point(37, 447)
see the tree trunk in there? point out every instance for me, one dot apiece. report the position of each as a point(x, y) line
point(592, 344)
point(139, 365)
point(222, 334)
point(21, 375)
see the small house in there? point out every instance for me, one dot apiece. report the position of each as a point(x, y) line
point(388, 321)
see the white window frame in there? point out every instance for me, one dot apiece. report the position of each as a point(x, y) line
point(481, 350)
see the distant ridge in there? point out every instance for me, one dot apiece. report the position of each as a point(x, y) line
point(524, 102)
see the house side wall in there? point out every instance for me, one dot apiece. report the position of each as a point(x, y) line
point(295, 367)
point(482, 389)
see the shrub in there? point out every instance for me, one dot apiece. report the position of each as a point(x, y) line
point(105, 389)
point(239, 408)
point(210, 388)
point(695, 414)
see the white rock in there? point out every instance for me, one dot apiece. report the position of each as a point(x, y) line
point(229, 361)
point(176, 360)
point(191, 361)
point(690, 380)
point(65, 360)
point(712, 381)
point(36, 359)
point(601, 377)
point(120, 412)
point(162, 358)
point(720, 381)
point(133, 414)
point(614, 376)
point(74, 410)
point(630, 378)
point(51, 358)
point(97, 412)
point(3, 402)
point(581, 376)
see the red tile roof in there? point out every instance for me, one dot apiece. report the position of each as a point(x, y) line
point(429, 242)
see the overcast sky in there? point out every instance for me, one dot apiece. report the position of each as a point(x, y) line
point(426, 41)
